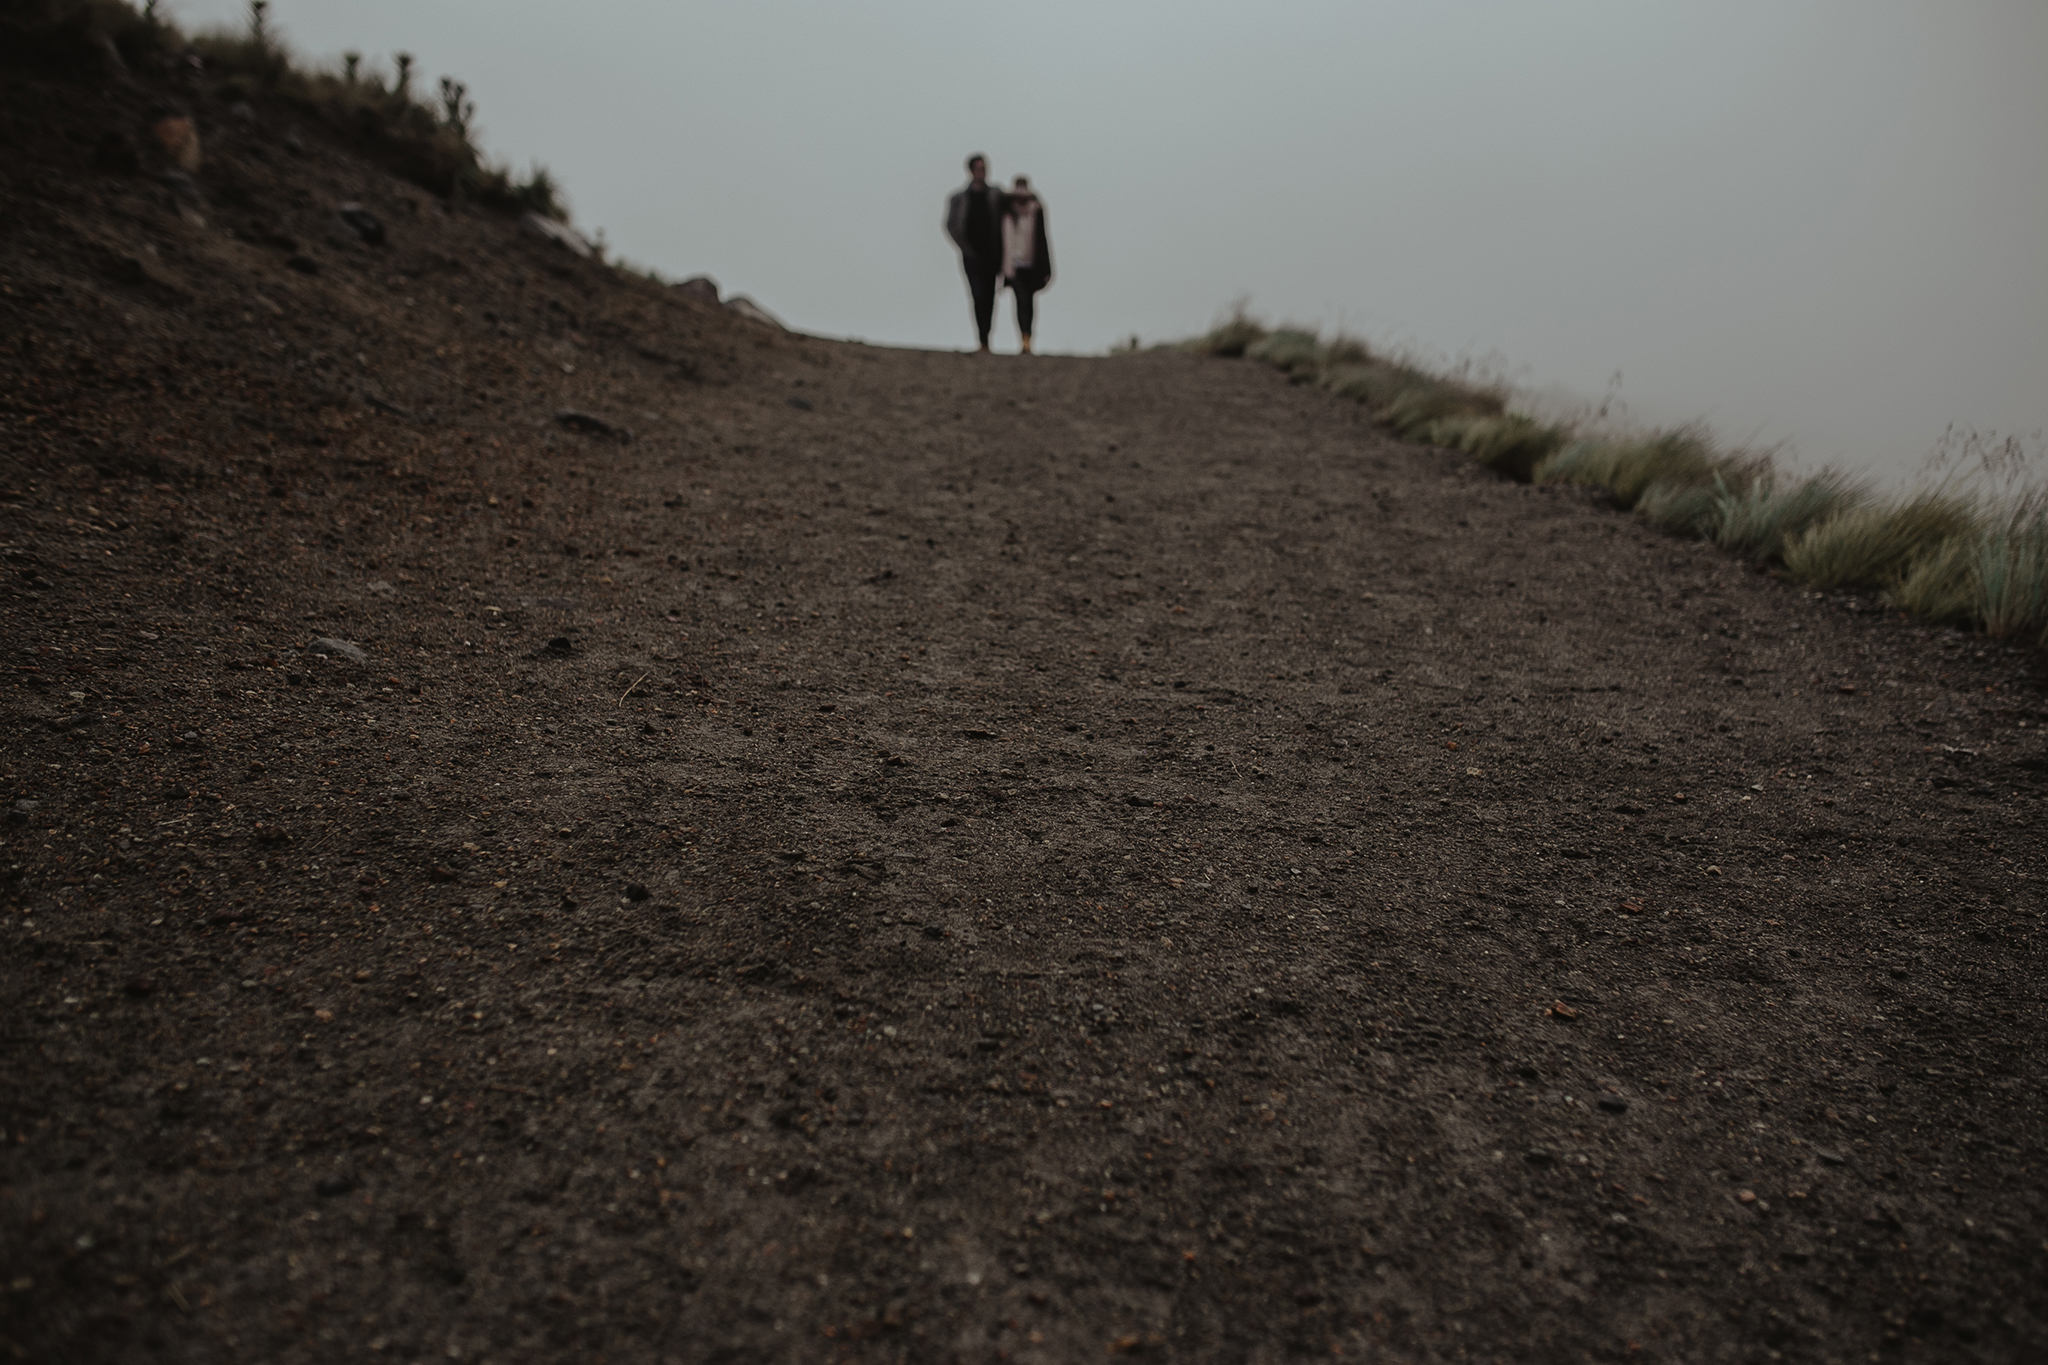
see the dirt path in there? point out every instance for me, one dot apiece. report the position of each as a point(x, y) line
point(917, 858)
point(1085, 865)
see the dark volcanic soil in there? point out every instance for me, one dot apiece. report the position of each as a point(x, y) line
point(922, 858)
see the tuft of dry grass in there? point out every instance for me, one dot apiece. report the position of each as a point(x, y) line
point(1874, 544)
point(1234, 334)
point(1507, 443)
point(2012, 575)
point(1295, 353)
point(1758, 522)
point(1627, 469)
point(1941, 583)
point(1690, 509)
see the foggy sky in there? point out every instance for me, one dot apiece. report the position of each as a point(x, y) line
point(1820, 223)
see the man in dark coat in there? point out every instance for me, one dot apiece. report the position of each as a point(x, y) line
point(974, 220)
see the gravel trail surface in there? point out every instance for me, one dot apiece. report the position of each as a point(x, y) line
point(845, 854)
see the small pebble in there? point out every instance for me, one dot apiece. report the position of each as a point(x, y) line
point(338, 649)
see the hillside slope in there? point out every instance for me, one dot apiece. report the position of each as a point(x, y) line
point(888, 855)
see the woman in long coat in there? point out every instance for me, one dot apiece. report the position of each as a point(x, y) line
point(1027, 253)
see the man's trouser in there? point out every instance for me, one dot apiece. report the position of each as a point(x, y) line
point(981, 283)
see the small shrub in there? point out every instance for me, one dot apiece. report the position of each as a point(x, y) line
point(1758, 521)
point(1873, 545)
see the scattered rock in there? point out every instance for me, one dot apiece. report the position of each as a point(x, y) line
point(742, 306)
point(561, 644)
point(699, 287)
point(1539, 1156)
point(365, 223)
point(392, 408)
point(338, 649)
point(1828, 1158)
point(1613, 1104)
point(334, 1186)
point(303, 263)
point(590, 424)
point(140, 986)
point(382, 588)
point(1746, 1196)
point(636, 892)
point(561, 234)
point(1559, 1010)
point(178, 136)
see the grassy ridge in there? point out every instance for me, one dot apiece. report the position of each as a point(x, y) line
point(1947, 553)
point(424, 138)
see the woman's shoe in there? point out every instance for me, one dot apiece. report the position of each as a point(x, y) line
point(1025, 349)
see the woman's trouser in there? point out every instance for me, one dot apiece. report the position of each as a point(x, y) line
point(1024, 290)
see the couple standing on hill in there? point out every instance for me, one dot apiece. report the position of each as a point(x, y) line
point(1001, 236)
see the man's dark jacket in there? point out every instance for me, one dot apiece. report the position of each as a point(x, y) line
point(987, 253)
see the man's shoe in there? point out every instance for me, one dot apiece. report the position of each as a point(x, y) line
point(1025, 349)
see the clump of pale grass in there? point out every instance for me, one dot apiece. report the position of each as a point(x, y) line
point(1758, 521)
point(1627, 469)
point(1941, 584)
point(1872, 545)
point(1290, 350)
point(1690, 509)
point(2012, 575)
point(1511, 443)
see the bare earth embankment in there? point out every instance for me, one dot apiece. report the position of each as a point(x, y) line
point(920, 858)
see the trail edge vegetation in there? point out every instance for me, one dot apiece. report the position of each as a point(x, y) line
point(1967, 547)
